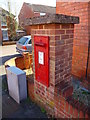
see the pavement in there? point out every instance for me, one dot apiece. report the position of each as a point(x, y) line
point(26, 109)
point(11, 109)
point(8, 50)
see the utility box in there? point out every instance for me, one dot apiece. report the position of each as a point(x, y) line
point(17, 85)
point(41, 48)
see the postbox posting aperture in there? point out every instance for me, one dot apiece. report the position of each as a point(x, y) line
point(41, 53)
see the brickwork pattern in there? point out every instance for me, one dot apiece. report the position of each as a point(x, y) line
point(60, 55)
point(57, 98)
point(25, 12)
point(69, 108)
point(81, 33)
point(41, 91)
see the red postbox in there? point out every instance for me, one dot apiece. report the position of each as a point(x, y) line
point(41, 53)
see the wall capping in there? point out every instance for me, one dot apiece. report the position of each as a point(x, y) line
point(52, 18)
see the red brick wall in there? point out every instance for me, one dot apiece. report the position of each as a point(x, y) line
point(0, 34)
point(81, 33)
point(69, 108)
point(57, 98)
point(60, 60)
point(61, 43)
point(25, 12)
point(28, 30)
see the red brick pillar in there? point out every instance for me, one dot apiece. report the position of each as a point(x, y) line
point(60, 29)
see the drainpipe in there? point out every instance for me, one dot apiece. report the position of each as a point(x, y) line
point(87, 60)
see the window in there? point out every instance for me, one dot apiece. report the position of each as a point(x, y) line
point(22, 40)
point(30, 42)
point(42, 14)
point(3, 24)
point(5, 34)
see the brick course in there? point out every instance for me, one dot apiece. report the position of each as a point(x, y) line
point(57, 98)
point(60, 69)
point(25, 12)
point(61, 51)
point(81, 33)
point(32, 10)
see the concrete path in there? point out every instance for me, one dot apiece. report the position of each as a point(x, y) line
point(5, 54)
point(8, 50)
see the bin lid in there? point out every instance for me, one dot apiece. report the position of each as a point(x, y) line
point(15, 70)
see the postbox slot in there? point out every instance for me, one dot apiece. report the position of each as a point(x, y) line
point(40, 44)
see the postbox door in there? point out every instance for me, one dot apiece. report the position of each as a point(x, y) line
point(41, 48)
